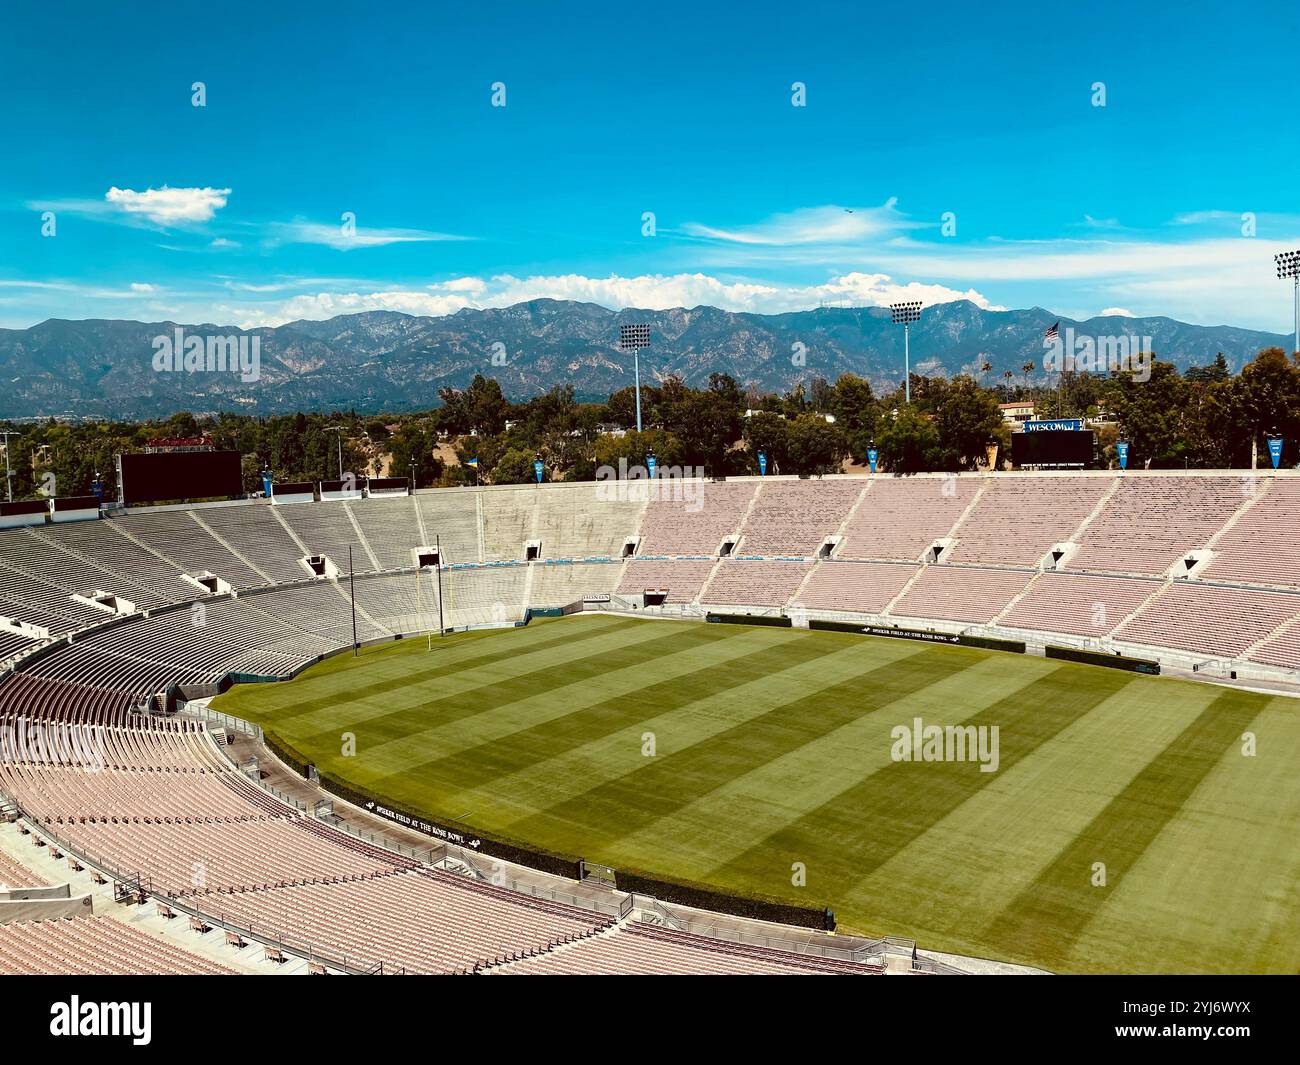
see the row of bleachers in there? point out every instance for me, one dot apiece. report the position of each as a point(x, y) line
point(1260, 547)
point(1283, 649)
point(510, 518)
point(197, 856)
point(450, 519)
point(318, 607)
point(426, 921)
point(901, 519)
point(405, 602)
point(12, 643)
point(856, 587)
point(62, 699)
point(484, 595)
point(1149, 524)
point(681, 580)
point(637, 949)
point(1018, 519)
point(177, 535)
point(1210, 619)
point(326, 529)
point(13, 874)
point(754, 583)
point(390, 527)
point(794, 517)
point(1080, 604)
point(961, 593)
point(94, 946)
point(691, 517)
point(562, 583)
point(103, 544)
point(583, 521)
point(258, 536)
point(27, 552)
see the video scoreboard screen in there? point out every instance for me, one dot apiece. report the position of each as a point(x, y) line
point(1059, 449)
point(178, 475)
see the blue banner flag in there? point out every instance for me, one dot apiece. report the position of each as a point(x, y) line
point(871, 458)
point(762, 463)
point(539, 468)
point(266, 485)
point(651, 462)
point(1275, 450)
point(1122, 450)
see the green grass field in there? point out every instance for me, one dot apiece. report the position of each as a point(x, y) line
point(773, 746)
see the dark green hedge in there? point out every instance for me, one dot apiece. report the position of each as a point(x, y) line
point(1095, 658)
point(1014, 646)
point(749, 619)
point(702, 897)
point(836, 626)
point(291, 757)
point(446, 830)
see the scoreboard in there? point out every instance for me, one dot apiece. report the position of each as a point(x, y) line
point(1062, 449)
point(167, 476)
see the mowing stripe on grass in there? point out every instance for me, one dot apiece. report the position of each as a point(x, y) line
point(329, 680)
point(946, 885)
point(1047, 917)
point(674, 654)
point(1227, 866)
point(567, 775)
point(702, 835)
point(480, 766)
point(888, 809)
point(618, 807)
point(407, 708)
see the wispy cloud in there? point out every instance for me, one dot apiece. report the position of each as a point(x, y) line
point(345, 239)
point(829, 224)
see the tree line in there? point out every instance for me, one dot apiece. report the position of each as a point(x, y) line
point(1204, 418)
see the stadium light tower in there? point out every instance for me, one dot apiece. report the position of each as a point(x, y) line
point(1288, 265)
point(338, 429)
point(905, 314)
point(9, 473)
point(633, 338)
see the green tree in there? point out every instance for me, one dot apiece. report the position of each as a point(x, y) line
point(815, 446)
point(966, 418)
point(770, 434)
point(514, 467)
point(854, 405)
point(909, 443)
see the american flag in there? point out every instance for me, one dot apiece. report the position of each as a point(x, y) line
point(1054, 332)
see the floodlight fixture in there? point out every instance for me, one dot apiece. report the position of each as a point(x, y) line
point(1288, 266)
point(633, 337)
point(905, 314)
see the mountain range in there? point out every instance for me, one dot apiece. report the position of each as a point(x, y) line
point(388, 361)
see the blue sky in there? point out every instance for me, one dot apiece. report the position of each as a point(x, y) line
point(234, 212)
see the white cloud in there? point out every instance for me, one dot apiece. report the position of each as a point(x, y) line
point(168, 206)
point(811, 225)
point(653, 291)
point(334, 236)
point(140, 286)
point(1115, 312)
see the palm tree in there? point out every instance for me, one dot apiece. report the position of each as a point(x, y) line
point(1027, 369)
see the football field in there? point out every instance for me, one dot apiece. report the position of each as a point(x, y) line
point(1129, 823)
